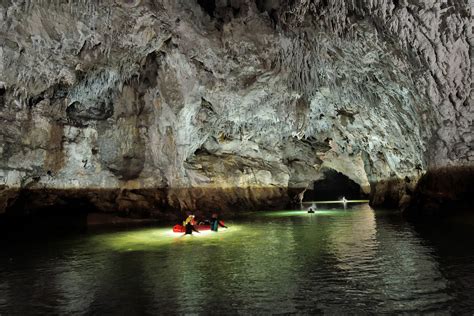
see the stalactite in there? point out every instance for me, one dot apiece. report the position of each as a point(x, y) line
point(375, 78)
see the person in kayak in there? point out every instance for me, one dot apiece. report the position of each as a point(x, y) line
point(189, 225)
point(215, 222)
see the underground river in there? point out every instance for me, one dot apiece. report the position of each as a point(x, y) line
point(335, 261)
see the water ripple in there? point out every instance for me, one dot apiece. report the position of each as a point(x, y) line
point(283, 262)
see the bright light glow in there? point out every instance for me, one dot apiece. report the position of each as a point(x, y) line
point(201, 233)
point(287, 213)
point(155, 238)
point(336, 202)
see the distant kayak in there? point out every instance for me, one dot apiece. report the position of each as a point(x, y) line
point(178, 228)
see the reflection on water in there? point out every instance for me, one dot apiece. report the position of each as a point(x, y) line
point(333, 261)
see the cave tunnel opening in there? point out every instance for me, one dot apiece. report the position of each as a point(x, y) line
point(334, 186)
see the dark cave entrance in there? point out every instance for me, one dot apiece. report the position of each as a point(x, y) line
point(334, 186)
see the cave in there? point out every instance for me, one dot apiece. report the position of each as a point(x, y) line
point(334, 186)
point(127, 112)
point(258, 90)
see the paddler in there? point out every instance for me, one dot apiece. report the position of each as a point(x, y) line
point(215, 222)
point(189, 225)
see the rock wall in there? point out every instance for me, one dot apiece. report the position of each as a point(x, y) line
point(149, 106)
point(443, 192)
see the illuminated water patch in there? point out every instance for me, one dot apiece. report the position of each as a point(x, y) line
point(304, 213)
point(336, 202)
point(150, 239)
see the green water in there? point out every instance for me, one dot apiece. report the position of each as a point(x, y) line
point(333, 261)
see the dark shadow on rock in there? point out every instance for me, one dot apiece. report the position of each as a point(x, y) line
point(392, 193)
point(34, 215)
point(443, 192)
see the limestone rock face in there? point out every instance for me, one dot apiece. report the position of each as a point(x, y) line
point(230, 103)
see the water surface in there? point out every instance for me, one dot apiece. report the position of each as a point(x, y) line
point(333, 261)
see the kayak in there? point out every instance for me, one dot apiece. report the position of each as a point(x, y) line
point(181, 229)
point(178, 228)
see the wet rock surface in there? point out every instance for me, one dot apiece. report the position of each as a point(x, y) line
point(442, 189)
point(229, 104)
